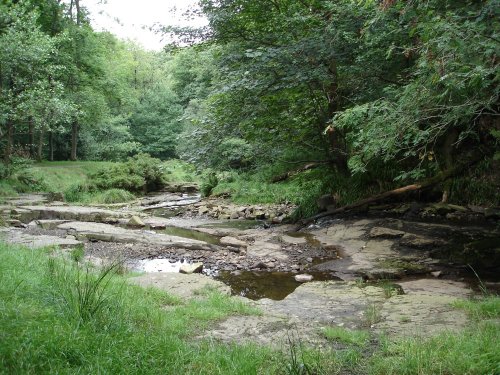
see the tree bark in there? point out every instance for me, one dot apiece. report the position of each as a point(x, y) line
point(39, 153)
point(9, 135)
point(74, 140)
point(31, 138)
point(51, 146)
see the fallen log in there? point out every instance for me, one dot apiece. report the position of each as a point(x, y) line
point(425, 184)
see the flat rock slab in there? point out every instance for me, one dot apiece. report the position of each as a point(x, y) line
point(181, 285)
point(78, 213)
point(27, 200)
point(110, 233)
point(36, 241)
point(262, 249)
point(425, 308)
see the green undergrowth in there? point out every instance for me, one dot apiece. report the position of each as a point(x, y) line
point(302, 189)
point(347, 336)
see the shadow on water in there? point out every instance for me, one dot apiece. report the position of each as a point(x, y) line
point(256, 285)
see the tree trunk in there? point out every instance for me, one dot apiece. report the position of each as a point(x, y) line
point(31, 138)
point(39, 153)
point(74, 140)
point(51, 146)
point(447, 163)
point(335, 136)
point(9, 135)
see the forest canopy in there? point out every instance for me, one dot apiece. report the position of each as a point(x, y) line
point(378, 93)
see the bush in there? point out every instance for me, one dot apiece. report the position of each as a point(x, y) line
point(142, 173)
point(114, 196)
point(208, 184)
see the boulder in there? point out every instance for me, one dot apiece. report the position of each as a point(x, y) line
point(303, 278)
point(135, 221)
point(381, 232)
point(232, 242)
point(191, 268)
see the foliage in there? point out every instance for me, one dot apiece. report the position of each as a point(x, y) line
point(140, 174)
point(358, 338)
point(209, 184)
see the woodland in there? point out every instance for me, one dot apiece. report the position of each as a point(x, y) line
point(334, 164)
point(367, 95)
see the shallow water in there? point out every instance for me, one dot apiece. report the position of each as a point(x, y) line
point(256, 285)
point(159, 265)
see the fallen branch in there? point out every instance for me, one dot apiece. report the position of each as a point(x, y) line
point(425, 184)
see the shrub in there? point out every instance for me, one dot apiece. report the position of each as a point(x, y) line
point(142, 173)
point(114, 196)
point(208, 184)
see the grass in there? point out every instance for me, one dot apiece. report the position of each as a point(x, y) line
point(347, 336)
point(129, 331)
point(473, 351)
point(60, 316)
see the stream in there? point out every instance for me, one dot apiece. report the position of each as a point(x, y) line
point(396, 264)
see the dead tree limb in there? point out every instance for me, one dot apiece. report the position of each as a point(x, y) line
point(425, 184)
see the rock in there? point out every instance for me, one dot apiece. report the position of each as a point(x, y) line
point(50, 224)
point(231, 241)
point(191, 268)
point(136, 221)
point(492, 213)
point(436, 273)
point(326, 202)
point(157, 226)
point(309, 260)
point(260, 215)
point(55, 196)
point(110, 233)
point(303, 278)
point(259, 265)
point(234, 216)
point(36, 241)
point(77, 213)
point(203, 210)
point(15, 223)
point(381, 232)
point(419, 242)
point(263, 249)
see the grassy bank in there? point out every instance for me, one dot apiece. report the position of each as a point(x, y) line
point(72, 178)
point(58, 317)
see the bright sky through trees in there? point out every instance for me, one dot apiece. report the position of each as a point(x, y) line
point(131, 19)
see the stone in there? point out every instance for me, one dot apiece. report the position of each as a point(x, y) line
point(15, 223)
point(37, 241)
point(203, 210)
point(419, 242)
point(55, 196)
point(381, 232)
point(260, 215)
point(110, 233)
point(436, 273)
point(188, 269)
point(263, 249)
point(234, 216)
point(231, 241)
point(303, 278)
point(492, 213)
point(136, 221)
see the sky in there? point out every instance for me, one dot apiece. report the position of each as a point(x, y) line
point(129, 19)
